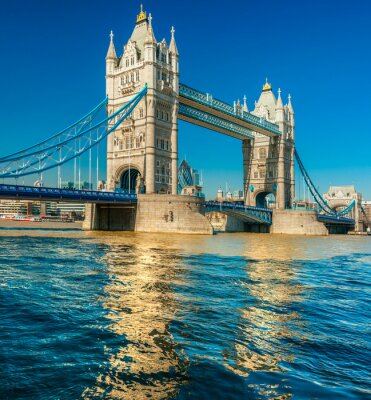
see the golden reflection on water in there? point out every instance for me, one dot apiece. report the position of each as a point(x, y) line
point(266, 327)
point(268, 323)
point(141, 306)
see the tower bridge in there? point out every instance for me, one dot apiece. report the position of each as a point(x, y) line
point(144, 102)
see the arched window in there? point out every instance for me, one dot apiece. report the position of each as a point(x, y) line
point(127, 62)
point(132, 60)
point(137, 75)
point(132, 76)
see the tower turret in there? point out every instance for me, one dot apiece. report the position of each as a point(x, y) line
point(280, 114)
point(111, 63)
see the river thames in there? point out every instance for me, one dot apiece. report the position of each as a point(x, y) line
point(141, 316)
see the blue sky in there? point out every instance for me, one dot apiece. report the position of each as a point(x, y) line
point(53, 66)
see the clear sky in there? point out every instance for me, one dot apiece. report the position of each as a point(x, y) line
point(53, 66)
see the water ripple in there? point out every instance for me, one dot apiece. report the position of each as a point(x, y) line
point(127, 318)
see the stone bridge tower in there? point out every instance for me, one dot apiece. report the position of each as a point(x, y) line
point(269, 162)
point(142, 153)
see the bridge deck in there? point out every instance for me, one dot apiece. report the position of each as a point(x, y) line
point(17, 192)
point(331, 220)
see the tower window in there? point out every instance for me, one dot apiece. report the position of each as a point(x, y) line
point(262, 153)
point(137, 75)
point(127, 62)
point(141, 113)
point(132, 60)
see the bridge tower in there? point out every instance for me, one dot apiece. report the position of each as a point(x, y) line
point(142, 153)
point(269, 161)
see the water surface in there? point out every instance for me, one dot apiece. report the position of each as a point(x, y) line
point(140, 316)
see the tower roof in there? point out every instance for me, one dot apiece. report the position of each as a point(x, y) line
point(142, 31)
point(267, 100)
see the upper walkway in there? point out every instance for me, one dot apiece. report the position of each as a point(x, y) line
point(202, 109)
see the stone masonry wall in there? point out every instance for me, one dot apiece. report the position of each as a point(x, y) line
point(171, 213)
point(297, 222)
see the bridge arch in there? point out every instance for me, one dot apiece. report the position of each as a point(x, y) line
point(265, 199)
point(127, 178)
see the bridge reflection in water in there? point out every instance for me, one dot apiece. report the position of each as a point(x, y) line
point(141, 305)
point(181, 315)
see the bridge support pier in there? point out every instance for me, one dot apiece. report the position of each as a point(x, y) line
point(109, 217)
point(153, 213)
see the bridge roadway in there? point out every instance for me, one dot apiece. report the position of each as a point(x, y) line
point(252, 215)
point(17, 192)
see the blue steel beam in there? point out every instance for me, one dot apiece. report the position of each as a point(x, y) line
point(56, 154)
point(250, 214)
point(205, 102)
point(331, 219)
point(322, 203)
point(17, 192)
point(67, 133)
point(210, 121)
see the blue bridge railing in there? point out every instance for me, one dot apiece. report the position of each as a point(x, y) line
point(55, 194)
point(331, 219)
point(256, 214)
point(214, 121)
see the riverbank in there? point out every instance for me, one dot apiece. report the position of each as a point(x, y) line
point(45, 228)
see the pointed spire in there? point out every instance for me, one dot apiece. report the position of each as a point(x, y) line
point(290, 104)
point(173, 49)
point(150, 38)
point(245, 104)
point(279, 104)
point(111, 53)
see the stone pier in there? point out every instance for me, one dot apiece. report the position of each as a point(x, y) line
point(153, 213)
point(298, 222)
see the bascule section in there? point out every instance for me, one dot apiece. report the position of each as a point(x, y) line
point(142, 153)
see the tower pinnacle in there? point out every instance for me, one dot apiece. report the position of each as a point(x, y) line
point(111, 53)
point(142, 16)
point(245, 104)
point(267, 86)
point(173, 49)
point(279, 104)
